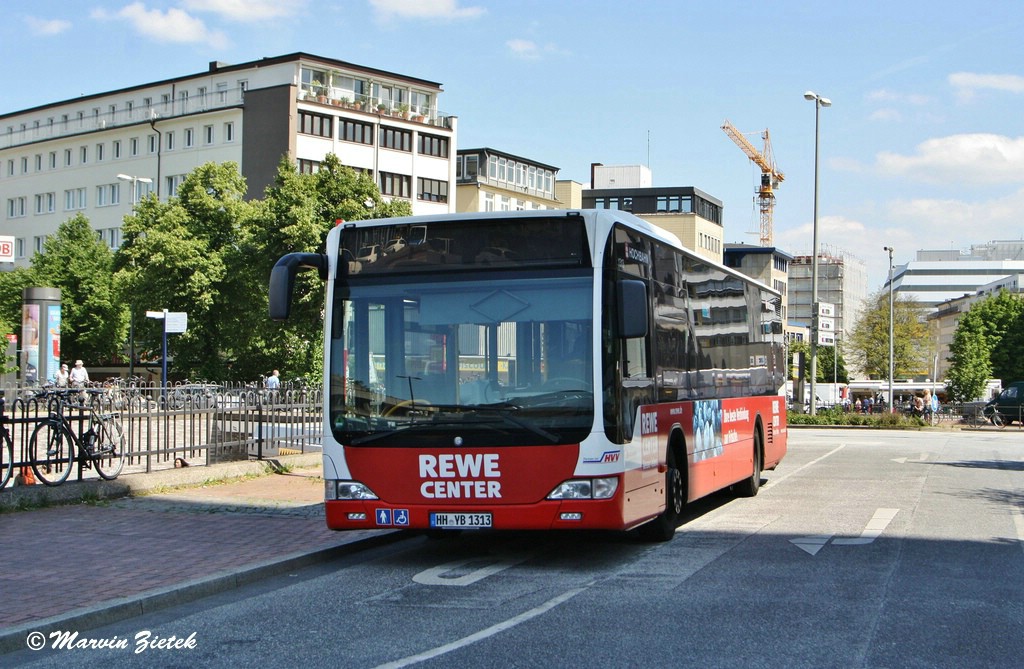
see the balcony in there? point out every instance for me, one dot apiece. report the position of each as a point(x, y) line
point(55, 128)
point(382, 107)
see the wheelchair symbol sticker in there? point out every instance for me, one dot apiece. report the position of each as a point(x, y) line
point(402, 517)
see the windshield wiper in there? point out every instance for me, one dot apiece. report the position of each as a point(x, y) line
point(502, 410)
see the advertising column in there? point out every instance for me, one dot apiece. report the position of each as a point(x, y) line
point(40, 335)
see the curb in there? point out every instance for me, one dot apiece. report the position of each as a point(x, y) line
point(117, 610)
point(73, 492)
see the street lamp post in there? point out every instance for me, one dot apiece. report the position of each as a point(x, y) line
point(819, 102)
point(891, 329)
point(131, 309)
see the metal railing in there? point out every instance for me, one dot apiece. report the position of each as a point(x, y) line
point(189, 424)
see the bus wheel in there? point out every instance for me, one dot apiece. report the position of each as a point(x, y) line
point(749, 487)
point(663, 528)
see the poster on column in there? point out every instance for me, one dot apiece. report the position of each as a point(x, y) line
point(30, 344)
point(52, 341)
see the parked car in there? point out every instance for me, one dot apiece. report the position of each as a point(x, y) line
point(1007, 406)
point(394, 245)
point(369, 254)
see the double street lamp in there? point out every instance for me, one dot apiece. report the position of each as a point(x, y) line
point(819, 102)
point(135, 181)
point(891, 329)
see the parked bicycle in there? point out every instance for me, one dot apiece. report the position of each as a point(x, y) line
point(6, 449)
point(55, 443)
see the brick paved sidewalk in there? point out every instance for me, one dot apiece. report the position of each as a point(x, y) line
point(96, 563)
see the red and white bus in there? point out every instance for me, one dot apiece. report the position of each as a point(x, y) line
point(538, 370)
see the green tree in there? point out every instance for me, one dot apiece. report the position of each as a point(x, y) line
point(869, 341)
point(988, 343)
point(827, 360)
point(93, 320)
point(172, 257)
point(971, 368)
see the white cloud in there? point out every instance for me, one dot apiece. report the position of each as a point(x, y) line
point(47, 26)
point(885, 115)
point(894, 97)
point(523, 48)
point(247, 10)
point(174, 25)
point(968, 158)
point(967, 84)
point(528, 50)
point(424, 9)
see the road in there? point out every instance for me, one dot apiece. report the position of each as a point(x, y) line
point(864, 549)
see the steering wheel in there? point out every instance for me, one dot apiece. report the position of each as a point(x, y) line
point(407, 404)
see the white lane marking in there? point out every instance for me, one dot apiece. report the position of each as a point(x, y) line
point(1018, 521)
point(874, 528)
point(811, 544)
point(484, 633)
point(773, 482)
point(921, 458)
point(448, 574)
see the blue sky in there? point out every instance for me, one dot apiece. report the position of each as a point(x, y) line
point(922, 148)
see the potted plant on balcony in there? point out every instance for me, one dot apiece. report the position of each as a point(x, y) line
point(382, 108)
point(321, 92)
point(403, 111)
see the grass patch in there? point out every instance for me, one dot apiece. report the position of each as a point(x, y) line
point(836, 416)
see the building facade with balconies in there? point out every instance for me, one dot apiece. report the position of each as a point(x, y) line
point(491, 180)
point(98, 154)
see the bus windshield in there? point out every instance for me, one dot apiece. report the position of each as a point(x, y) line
point(478, 358)
point(472, 358)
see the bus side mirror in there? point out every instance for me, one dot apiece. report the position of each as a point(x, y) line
point(282, 280)
point(633, 304)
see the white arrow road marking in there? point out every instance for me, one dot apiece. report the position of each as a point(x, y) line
point(921, 458)
point(875, 527)
point(465, 572)
point(811, 544)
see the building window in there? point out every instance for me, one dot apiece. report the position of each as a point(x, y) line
point(169, 140)
point(39, 243)
point(133, 146)
point(53, 160)
point(24, 165)
point(395, 185)
point(108, 195)
point(16, 207)
point(99, 153)
point(74, 199)
point(116, 149)
point(67, 157)
point(393, 138)
point(354, 131)
point(19, 247)
point(190, 137)
point(46, 203)
point(308, 166)
point(207, 135)
point(173, 184)
point(39, 162)
point(431, 145)
point(432, 190)
point(153, 143)
point(318, 125)
point(488, 201)
point(229, 131)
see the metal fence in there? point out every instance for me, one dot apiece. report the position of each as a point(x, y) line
point(186, 424)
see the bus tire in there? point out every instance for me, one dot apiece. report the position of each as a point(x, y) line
point(663, 528)
point(750, 486)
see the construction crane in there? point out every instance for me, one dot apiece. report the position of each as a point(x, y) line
point(770, 177)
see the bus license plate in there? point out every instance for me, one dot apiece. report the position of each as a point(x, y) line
point(460, 521)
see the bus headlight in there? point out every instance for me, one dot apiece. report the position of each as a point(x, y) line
point(603, 488)
point(347, 490)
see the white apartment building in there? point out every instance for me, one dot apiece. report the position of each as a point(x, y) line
point(98, 154)
point(492, 180)
point(939, 276)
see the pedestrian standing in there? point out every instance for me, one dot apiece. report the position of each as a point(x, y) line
point(79, 376)
point(61, 381)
